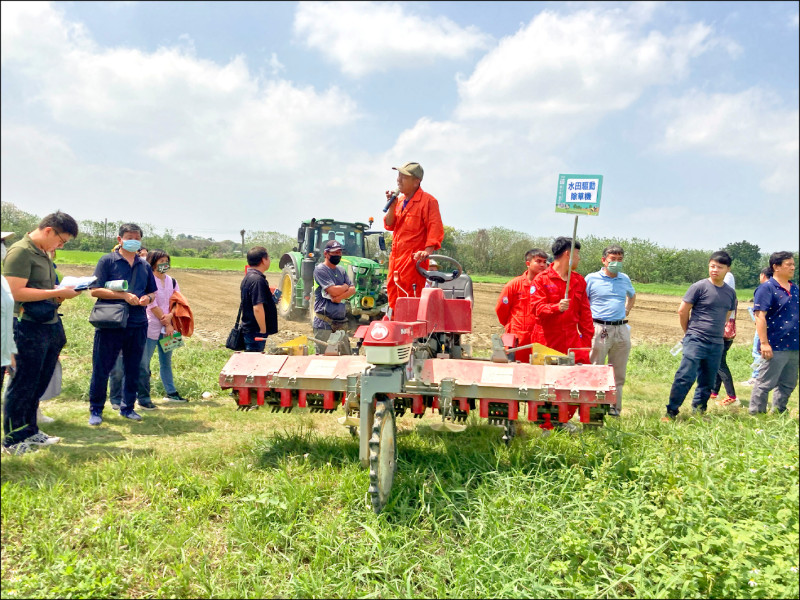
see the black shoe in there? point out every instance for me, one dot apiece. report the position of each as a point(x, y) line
point(147, 405)
point(176, 397)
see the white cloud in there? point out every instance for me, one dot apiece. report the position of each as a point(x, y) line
point(749, 126)
point(363, 37)
point(582, 64)
point(180, 109)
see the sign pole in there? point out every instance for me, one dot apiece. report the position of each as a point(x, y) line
point(577, 195)
point(571, 255)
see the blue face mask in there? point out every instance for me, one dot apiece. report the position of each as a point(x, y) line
point(131, 245)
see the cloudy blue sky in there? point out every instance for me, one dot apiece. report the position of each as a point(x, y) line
point(207, 118)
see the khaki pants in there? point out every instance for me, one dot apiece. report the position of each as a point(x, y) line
point(779, 373)
point(616, 345)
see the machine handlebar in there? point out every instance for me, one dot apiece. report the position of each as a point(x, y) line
point(440, 276)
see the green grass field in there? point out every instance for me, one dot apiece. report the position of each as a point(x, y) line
point(78, 257)
point(200, 500)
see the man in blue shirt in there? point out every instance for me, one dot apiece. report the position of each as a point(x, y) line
point(706, 307)
point(777, 314)
point(611, 298)
point(333, 287)
point(123, 264)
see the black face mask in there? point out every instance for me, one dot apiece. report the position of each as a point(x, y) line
point(334, 259)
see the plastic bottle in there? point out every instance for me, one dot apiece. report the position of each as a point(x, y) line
point(676, 349)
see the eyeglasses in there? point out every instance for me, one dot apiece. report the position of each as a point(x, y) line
point(63, 241)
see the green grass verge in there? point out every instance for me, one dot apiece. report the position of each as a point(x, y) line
point(205, 501)
point(79, 257)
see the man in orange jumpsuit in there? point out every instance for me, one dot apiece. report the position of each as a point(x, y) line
point(563, 323)
point(515, 306)
point(418, 232)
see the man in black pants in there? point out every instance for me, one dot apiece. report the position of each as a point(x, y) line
point(39, 333)
point(123, 264)
point(259, 314)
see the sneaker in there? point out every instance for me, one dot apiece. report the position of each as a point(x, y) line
point(668, 418)
point(95, 420)
point(42, 439)
point(133, 416)
point(176, 397)
point(728, 401)
point(114, 406)
point(713, 396)
point(19, 448)
point(147, 405)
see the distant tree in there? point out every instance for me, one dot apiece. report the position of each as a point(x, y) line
point(16, 220)
point(747, 262)
point(276, 243)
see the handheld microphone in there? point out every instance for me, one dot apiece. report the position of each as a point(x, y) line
point(392, 198)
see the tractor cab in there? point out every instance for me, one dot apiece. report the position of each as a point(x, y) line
point(314, 234)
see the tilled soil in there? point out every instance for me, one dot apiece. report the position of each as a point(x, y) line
point(214, 298)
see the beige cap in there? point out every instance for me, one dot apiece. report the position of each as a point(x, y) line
point(5, 234)
point(411, 168)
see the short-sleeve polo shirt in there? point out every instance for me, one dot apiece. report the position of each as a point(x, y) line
point(29, 262)
point(607, 295)
point(114, 266)
point(783, 314)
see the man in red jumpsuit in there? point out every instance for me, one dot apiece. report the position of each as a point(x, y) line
point(515, 306)
point(563, 323)
point(418, 232)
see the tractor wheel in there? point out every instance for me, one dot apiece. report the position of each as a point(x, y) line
point(382, 453)
point(287, 286)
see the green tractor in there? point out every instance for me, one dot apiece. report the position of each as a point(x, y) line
point(368, 276)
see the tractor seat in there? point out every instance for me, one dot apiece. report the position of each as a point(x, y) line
point(459, 288)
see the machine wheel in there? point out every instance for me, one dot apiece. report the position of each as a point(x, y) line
point(287, 286)
point(382, 454)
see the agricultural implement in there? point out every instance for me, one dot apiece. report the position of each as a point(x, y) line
point(416, 361)
point(367, 275)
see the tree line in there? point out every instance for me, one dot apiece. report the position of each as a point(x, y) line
point(486, 251)
point(501, 251)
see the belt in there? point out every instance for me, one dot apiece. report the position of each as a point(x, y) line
point(335, 325)
point(610, 322)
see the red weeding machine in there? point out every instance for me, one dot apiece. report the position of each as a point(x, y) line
point(416, 361)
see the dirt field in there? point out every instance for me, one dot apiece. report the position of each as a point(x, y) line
point(214, 298)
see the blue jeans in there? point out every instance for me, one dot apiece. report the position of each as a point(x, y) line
point(250, 343)
point(700, 362)
point(107, 346)
point(164, 370)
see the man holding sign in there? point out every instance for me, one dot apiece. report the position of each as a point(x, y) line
point(563, 318)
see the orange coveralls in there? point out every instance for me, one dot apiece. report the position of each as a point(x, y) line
point(416, 227)
point(515, 312)
point(574, 328)
point(557, 330)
